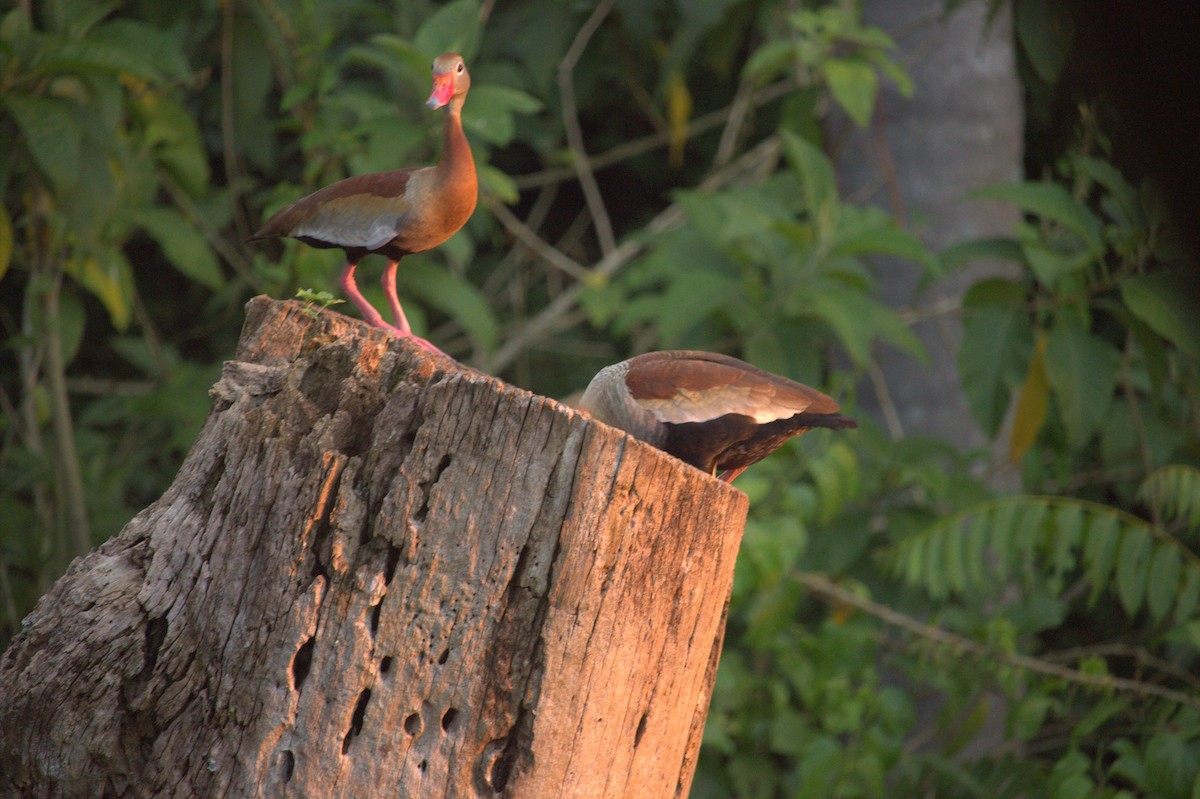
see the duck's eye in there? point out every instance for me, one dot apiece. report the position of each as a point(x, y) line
point(460, 67)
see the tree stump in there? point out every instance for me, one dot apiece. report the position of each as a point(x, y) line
point(380, 573)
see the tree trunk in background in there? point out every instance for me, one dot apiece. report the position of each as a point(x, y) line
point(378, 573)
point(961, 129)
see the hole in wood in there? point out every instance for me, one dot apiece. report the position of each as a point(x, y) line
point(356, 720)
point(423, 510)
point(485, 766)
point(376, 609)
point(385, 665)
point(393, 560)
point(448, 718)
point(501, 768)
point(641, 729)
point(412, 724)
point(302, 663)
point(156, 633)
point(288, 765)
point(424, 764)
point(442, 658)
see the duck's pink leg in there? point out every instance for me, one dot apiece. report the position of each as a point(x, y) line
point(389, 290)
point(401, 321)
point(729, 474)
point(350, 289)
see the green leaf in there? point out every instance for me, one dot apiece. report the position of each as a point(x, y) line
point(405, 56)
point(994, 291)
point(1131, 569)
point(975, 548)
point(854, 85)
point(1032, 404)
point(490, 112)
point(1169, 304)
point(1188, 597)
point(120, 47)
point(769, 60)
point(172, 134)
point(52, 133)
point(993, 359)
point(1108, 176)
point(496, 183)
point(954, 564)
point(1102, 711)
point(1100, 551)
point(814, 170)
point(455, 28)
point(688, 302)
point(886, 240)
point(993, 249)
point(858, 320)
point(1029, 714)
point(1050, 266)
point(1052, 202)
point(152, 53)
point(933, 572)
point(1067, 534)
point(107, 275)
point(1163, 582)
point(912, 562)
point(1174, 492)
point(1082, 371)
point(72, 320)
point(185, 248)
point(1171, 766)
point(1002, 521)
point(1045, 30)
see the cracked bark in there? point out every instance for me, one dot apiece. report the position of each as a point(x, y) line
point(379, 571)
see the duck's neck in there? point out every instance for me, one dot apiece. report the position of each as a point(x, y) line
point(457, 166)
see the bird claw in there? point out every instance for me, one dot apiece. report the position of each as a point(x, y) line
point(411, 336)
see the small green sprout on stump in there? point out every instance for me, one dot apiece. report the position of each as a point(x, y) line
point(311, 298)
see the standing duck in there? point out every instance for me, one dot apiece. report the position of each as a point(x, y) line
point(712, 411)
point(392, 213)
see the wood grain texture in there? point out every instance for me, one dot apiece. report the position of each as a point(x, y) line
point(378, 573)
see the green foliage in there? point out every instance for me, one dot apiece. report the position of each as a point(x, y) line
point(768, 264)
point(1054, 539)
point(1092, 334)
point(833, 44)
point(105, 168)
point(321, 299)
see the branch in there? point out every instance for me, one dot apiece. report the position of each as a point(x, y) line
point(829, 592)
point(547, 251)
point(78, 538)
point(654, 141)
point(570, 114)
point(737, 112)
point(1135, 653)
point(548, 320)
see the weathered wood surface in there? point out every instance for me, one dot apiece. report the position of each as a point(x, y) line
point(378, 573)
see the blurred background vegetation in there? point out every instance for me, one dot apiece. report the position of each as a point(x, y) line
point(991, 589)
